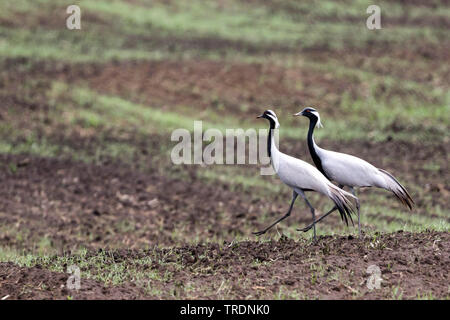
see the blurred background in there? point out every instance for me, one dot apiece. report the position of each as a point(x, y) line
point(86, 115)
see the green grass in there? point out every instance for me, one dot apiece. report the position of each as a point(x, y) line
point(236, 21)
point(43, 148)
point(96, 109)
point(255, 24)
point(426, 106)
point(101, 267)
point(379, 104)
point(40, 148)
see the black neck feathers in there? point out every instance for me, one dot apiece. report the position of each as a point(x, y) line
point(312, 149)
point(269, 136)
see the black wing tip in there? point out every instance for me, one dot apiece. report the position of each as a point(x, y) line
point(404, 197)
point(346, 212)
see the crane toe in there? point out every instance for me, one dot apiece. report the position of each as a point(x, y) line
point(305, 229)
point(259, 233)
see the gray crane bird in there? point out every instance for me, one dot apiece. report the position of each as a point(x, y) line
point(300, 176)
point(349, 171)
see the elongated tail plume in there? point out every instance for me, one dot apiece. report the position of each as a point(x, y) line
point(397, 189)
point(344, 205)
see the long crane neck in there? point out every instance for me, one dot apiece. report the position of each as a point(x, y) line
point(313, 147)
point(270, 138)
point(269, 142)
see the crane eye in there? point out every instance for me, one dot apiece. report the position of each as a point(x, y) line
point(307, 110)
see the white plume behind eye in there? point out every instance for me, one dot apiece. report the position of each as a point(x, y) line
point(274, 118)
point(271, 113)
point(319, 124)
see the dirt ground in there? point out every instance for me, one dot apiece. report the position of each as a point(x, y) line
point(38, 284)
point(164, 232)
point(334, 268)
point(67, 202)
point(113, 205)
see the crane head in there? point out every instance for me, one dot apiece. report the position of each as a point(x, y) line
point(312, 114)
point(272, 117)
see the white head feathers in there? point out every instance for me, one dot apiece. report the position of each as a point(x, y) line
point(273, 116)
point(318, 124)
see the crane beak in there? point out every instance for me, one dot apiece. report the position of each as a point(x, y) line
point(260, 116)
point(298, 114)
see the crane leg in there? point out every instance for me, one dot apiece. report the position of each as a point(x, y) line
point(294, 196)
point(308, 227)
point(352, 189)
point(312, 212)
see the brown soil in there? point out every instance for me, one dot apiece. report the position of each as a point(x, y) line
point(73, 195)
point(294, 265)
point(37, 283)
point(411, 265)
point(113, 204)
point(225, 87)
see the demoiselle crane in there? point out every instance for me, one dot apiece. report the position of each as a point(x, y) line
point(349, 171)
point(300, 176)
